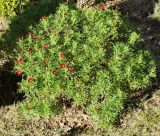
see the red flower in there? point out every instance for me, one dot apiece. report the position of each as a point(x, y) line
point(45, 61)
point(46, 46)
point(65, 14)
point(55, 72)
point(43, 17)
point(62, 56)
point(19, 72)
point(20, 60)
point(70, 68)
point(101, 7)
point(62, 65)
point(30, 80)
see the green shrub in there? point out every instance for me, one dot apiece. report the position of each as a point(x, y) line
point(11, 7)
point(1, 9)
point(89, 56)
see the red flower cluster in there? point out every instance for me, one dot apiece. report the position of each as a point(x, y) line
point(19, 72)
point(62, 56)
point(20, 60)
point(101, 7)
point(43, 17)
point(46, 46)
point(30, 80)
point(70, 68)
point(62, 65)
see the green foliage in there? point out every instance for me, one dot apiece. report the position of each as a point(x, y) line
point(89, 56)
point(1, 8)
point(11, 7)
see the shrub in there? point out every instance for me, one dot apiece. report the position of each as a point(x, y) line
point(89, 56)
point(1, 8)
point(10, 8)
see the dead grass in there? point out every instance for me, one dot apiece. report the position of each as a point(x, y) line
point(72, 121)
point(156, 13)
point(3, 25)
point(143, 121)
point(11, 124)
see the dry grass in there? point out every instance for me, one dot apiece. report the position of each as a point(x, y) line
point(3, 24)
point(11, 124)
point(72, 121)
point(156, 13)
point(141, 121)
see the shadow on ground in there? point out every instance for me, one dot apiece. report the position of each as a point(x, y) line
point(8, 88)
